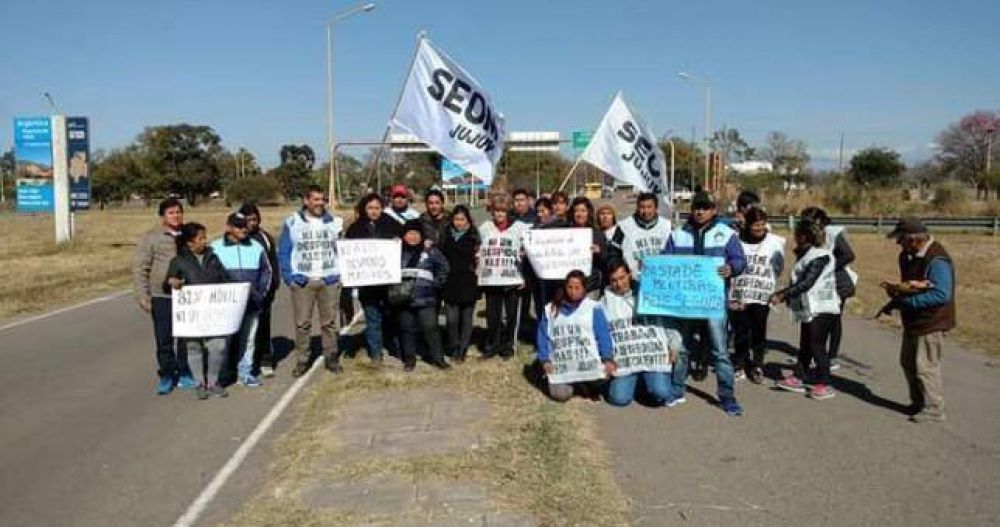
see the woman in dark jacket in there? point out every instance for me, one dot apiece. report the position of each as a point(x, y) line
point(460, 244)
point(196, 264)
point(424, 271)
point(581, 214)
point(373, 223)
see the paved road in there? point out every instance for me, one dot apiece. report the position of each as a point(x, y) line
point(851, 460)
point(84, 440)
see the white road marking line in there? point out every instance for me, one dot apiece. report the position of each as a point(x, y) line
point(61, 310)
point(197, 508)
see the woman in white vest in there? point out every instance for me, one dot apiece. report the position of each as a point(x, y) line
point(643, 234)
point(750, 293)
point(500, 276)
point(813, 298)
point(847, 279)
point(645, 346)
point(574, 341)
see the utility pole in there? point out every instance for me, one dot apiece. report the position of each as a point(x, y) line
point(840, 155)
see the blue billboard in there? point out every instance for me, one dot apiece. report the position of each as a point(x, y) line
point(33, 172)
point(78, 160)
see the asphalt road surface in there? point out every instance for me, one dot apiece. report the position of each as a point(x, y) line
point(850, 460)
point(84, 440)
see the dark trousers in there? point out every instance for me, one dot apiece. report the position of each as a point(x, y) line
point(749, 333)
point(459, 327)
point(171, 360)
point(815, 335)
point(416, 325)
point(836, 333)
point(501, 320)
point(543, 292)
point(263, 354)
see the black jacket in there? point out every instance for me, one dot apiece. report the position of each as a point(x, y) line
point(385, 228)
point(187, 267)
point(434, 229)
point(461, 286)
point(271, 248)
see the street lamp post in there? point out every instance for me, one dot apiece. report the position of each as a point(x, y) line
point(989, 150)
point(362, 8)
point(708, 114)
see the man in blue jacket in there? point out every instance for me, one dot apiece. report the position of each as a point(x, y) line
point(245, 260)
point(705, 235)
point(307, 255)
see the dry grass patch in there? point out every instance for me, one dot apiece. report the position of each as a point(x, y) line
point(543, 458)
point(41, 274)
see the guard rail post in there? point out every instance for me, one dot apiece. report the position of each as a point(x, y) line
point(996, 225)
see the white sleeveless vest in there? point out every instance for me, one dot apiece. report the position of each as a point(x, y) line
point(638, 243)
point(641, 342)
point(500, 254)
point(758, 281)
point(575, 356)
point(832, 231)
point(822, 297)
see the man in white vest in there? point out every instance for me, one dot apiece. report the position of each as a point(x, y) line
point(307, 256)
point(640, 235)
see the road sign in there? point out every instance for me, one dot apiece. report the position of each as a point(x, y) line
point(581, 138)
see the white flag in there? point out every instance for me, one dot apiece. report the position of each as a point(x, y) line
point(449, 110)
point(626, 148)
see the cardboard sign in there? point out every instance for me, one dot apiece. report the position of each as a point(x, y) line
point(369, 262)
point(212, 310)
point(683, 287)
point(555, 252)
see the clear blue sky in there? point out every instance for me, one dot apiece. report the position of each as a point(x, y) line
point(888, 72)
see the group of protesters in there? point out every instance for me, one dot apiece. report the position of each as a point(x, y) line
point(448, 263)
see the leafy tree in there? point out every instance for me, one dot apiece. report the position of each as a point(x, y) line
point(294, 174)
point(299, 154)
point(525, 169)
point(787, 156)
point(239, 164)
point(183, 159)
point(962, 148)
point(257, 189)
point(733, 147)
point(117, 175)
point(7, 174)
point(876, 167)
point(689, 161)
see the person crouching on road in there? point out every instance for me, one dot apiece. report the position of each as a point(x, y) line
point(197, 264)
point(645, 346)
point(574, 341)
point(813, 298)
point(750, 293)
point(414, 300)
point(245, 261)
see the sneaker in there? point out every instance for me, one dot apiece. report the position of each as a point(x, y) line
point(821, 391)
point(218, 391)
point(165, 386)
point(300, 369)
point(791, 384)
point(186, 382)
point(201, 392)
point(834, 365)
point(732, 408)
point(266, 372)
point(674, 402)
point(250, 381)
point(739, 375)
point(441, 364)
point(756, 375)
point(927, 417)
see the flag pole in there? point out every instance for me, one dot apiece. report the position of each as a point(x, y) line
point(570, 173)
point(421, 35)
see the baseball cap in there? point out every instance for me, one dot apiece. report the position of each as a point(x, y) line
point(400, 190)
point(237, 220)
point(909, 225)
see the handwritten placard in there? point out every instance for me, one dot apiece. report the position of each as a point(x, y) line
point(641, 344)
point(369, 262)
point(211, 310)
point(683, 287)
point(553, 253)
point(499, 262)
point(574, 355)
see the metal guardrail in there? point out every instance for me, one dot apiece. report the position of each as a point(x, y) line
point(881, 224)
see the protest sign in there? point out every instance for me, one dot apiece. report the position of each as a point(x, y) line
point(757, 283)
point(642, 342)
point(626, 148)
point(447, 108)
point(555, 252)
point(575, 357)
point(369, 262)
point(683, 287)
point(500, 255)
point(314, 253)
point(212, 310)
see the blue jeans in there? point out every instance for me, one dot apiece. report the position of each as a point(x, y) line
point(374, 315)
point(714, 341)
point(622, 389)
point(244, 344)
